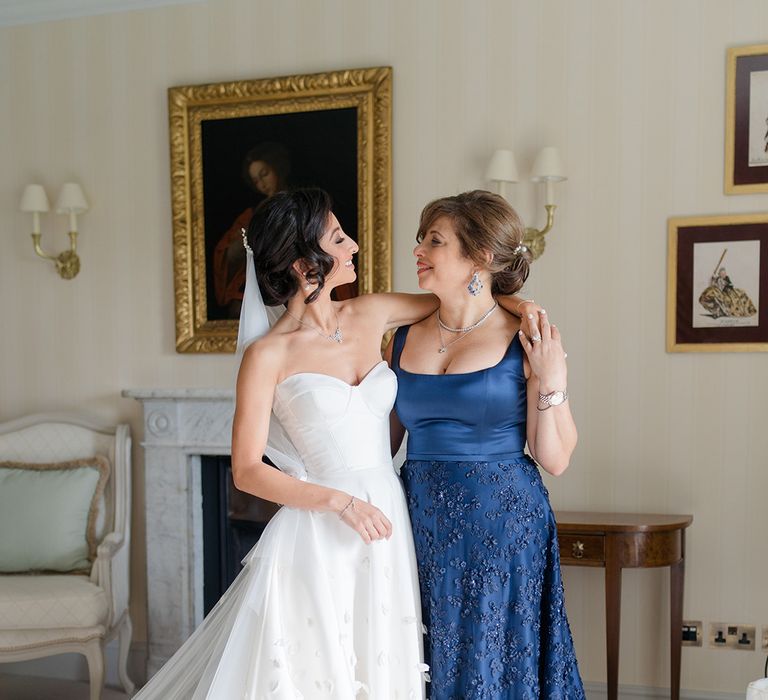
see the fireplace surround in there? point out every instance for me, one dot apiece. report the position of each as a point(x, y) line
point(180, 426)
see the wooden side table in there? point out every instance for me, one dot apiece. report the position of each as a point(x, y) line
point(620, 540)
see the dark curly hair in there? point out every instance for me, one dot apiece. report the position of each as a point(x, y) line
point(285, 228)
point(485, 223)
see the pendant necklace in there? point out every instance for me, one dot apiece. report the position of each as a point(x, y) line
point(464, 331)
point(336, 337)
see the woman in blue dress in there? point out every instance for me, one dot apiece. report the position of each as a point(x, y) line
point(473, 390)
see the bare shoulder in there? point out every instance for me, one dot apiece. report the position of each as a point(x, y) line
point(502, 327)
point(265, 356)
point(508, 321)
point(424, 324)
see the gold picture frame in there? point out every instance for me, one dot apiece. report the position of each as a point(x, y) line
point(746, 120)
point(717, 283)
point(339, 120)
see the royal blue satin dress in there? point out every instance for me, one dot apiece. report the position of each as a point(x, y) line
point(485, 535)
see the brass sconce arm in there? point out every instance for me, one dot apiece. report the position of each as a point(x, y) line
point(534, 237)
point(68, 262)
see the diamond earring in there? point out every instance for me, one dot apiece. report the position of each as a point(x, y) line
point(475, 285)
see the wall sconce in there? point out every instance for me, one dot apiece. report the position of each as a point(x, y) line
point(71, 201)
point(547, 168)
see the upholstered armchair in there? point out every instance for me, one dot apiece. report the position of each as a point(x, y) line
point(72, 468)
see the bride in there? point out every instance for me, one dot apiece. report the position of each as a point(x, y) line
point(327, 605)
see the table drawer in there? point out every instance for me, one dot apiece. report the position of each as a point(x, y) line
point(581, 549)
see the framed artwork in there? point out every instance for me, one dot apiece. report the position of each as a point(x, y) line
point(235, 144)
point(746, 120)
point(717, 284)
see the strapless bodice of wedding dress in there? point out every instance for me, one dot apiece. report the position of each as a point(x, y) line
point(338, 428)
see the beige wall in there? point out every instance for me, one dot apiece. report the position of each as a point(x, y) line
point(633, 94)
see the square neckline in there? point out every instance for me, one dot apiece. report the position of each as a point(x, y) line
point(449, 374)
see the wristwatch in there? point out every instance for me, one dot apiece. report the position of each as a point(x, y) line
point(553, 398)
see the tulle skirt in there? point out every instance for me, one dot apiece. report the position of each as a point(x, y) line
point(315, 613)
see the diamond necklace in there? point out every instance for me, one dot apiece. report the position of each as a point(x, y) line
point(337, 336)
point(468, 328)
point(464, 331)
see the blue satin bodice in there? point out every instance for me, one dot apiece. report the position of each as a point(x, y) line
point(472, 416)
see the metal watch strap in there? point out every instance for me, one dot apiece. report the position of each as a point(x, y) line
point(547, 398)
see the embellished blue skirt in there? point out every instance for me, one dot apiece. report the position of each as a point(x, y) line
point(492, 593)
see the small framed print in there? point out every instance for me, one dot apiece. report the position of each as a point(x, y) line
point(717, 284)
point(746, 120)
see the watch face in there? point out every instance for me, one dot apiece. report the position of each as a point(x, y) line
point(557, 398)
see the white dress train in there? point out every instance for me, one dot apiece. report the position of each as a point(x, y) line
point(317, 613)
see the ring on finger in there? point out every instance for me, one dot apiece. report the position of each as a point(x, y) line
point(535, 338)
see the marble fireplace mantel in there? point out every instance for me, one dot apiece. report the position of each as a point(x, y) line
point(180, 425)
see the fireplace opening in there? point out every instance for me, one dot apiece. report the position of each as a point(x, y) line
point(233, 521)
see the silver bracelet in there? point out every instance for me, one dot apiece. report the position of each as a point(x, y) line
point(524, 301)
point(344, 509)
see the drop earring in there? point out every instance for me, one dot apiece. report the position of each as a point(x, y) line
point(475, 285)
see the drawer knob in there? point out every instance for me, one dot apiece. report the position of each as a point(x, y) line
point(577, 549)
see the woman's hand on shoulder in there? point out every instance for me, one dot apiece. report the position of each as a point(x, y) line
point(544, 350)
point(527, 310)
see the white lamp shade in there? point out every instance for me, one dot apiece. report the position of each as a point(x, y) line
point(502, 167)
point(71, 200)
point(34, 199)
point(548, 166)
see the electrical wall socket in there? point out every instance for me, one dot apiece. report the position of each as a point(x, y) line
point(745, 637)
point(717, 635)
point(724, 635)
point(693, 631)
point(764, 639)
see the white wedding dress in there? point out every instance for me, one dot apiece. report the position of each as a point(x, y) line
point(317, 613)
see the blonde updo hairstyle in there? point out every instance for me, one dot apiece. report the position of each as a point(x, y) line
point(485, 224)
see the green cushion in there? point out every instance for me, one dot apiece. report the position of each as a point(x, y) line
point(48, 514)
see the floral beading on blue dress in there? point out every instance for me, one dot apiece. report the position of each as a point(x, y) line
point(485, 535)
